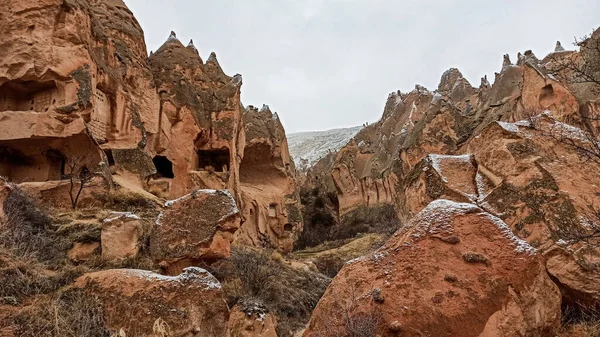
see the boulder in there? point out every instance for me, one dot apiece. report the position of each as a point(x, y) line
point(454, 270)
point(120, 235)
point(139, 302)
point(196, 227)
point(81, 252)
point(251, 320)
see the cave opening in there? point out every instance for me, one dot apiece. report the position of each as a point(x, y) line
point(215, 160)
point(28, 96)
point(164, 167)
point(288, 227)
point(41, 166)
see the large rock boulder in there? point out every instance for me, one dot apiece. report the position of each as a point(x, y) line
point(196, 227)
point(455, 270)
point(140, 302)
point(120, 235)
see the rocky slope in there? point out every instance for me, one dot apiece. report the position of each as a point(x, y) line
point(307, 148)
point(139, 197)
point(522, 149)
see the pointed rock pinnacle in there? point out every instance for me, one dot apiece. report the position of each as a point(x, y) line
point(558, 47)
point(172, 37)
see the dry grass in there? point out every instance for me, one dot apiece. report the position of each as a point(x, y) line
point(72, 313)
point(580, 322)
point(254, 275)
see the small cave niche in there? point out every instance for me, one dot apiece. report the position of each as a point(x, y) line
point(273, 210)
point(164, 167)
point(288, 227)
point(28, 96)
point(215, 160)
point(547, 95)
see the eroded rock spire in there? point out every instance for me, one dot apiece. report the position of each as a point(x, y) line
point(558, 47)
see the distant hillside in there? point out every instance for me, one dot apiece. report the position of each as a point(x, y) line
point(308, 147)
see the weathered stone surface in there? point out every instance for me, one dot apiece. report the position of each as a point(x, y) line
point(200, 120)
point(190, 304)
point(196, 227)
point(77, 69)
point(251, 320)
point(271, 207)
point(120, 235)
point(454, 270)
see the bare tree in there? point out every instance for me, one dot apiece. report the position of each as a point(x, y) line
point(582, 67)
point(79, 178)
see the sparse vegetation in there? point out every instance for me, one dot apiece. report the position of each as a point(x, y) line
point(70, 313)
point(580, 321)
point(254, 275)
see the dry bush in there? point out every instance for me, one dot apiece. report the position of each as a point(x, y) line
point(329, 265)
point(290, 294)
point(72, 313)
point(318, 212)
point(379, 219)
point(123, 200)
point(580, 321)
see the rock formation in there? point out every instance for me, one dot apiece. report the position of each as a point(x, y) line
point(120, 235)
point(453, 270)
point(75, 77)
point(196, 227)
point(201, 138)
point(271, 207)
point(138, 302)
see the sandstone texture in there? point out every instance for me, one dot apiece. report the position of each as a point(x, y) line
point(120, 236)
point(520, 149)
point(200, 120)
point(196, 227)
point(455, 270)
point(271, 207)
point(135, 301)
point(74, 77)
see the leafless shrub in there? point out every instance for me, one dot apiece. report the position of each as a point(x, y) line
point(583, 67)
point(580, 321)
point(351, 320)
point(290, 294)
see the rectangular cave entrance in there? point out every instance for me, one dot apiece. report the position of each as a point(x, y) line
point(19, 166)
point(164, 167)
point(28, 96)
point(215, 160)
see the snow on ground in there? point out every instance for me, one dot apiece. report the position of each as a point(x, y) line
point(315, 145)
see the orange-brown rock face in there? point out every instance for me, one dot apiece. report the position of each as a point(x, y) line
point(139, 302)
point(368, 170)
point(271, 208)
point(454, 270)
point(196, 227)
point(200, 118)
point(120, 236)
point(70, 69)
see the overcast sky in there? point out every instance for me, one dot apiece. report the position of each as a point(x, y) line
point(325, 64)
